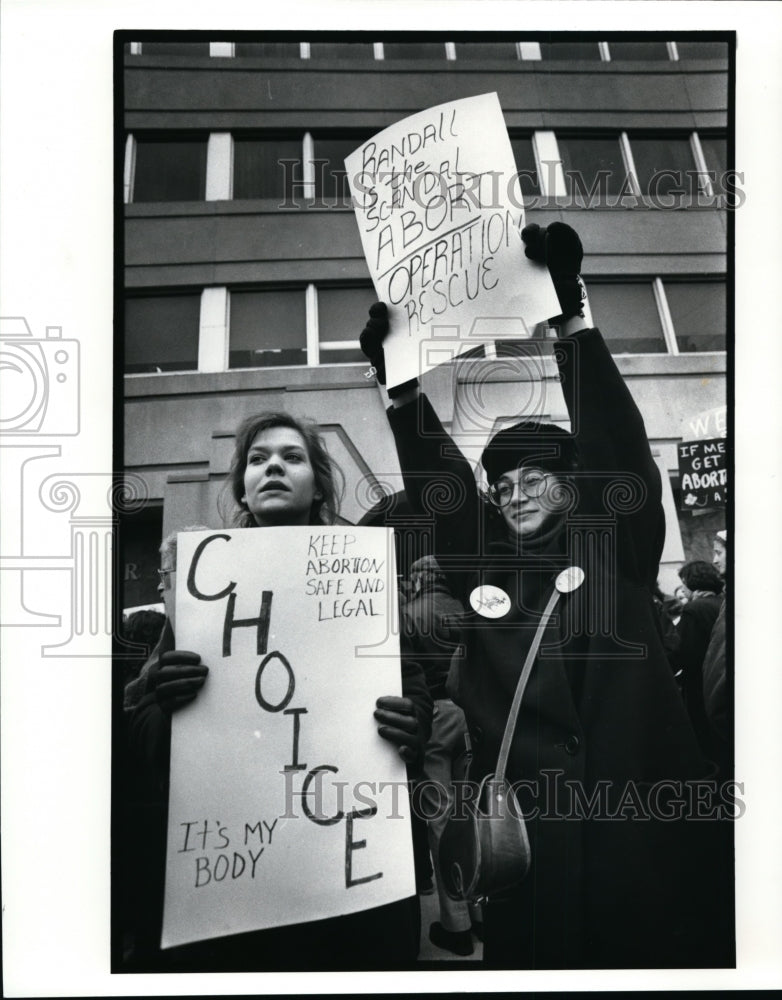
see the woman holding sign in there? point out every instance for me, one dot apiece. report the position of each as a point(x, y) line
point(558, 562)
point(281, 474)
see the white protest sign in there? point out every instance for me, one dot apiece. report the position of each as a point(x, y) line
point(277, 809)
point(439, 208)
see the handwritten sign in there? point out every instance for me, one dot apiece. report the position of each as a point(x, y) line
point(439, 210)
point(703, 474)
point(285, 804)
point(708, 423)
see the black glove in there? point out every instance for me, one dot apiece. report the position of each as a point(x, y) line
point(559, 247)
point(177, 679)
point(398, 723)
point(371, 343)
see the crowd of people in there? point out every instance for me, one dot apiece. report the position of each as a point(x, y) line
point(626, 690)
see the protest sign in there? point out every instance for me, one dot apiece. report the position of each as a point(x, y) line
point(439, 210)
point(706, 424)
point(278, 812)
point(703, 474)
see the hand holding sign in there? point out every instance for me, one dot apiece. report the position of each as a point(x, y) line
point(397, 722)
point(371, 343)
point(558, 247)
point(177, 678)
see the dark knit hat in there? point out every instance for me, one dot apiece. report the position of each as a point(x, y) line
point(530, 443)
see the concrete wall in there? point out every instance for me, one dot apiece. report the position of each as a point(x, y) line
point(185, 92)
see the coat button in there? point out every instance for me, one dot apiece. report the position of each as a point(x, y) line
point(572, 744)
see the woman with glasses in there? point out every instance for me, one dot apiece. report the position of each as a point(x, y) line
point(602, 746)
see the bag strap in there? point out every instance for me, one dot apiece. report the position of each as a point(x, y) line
point(502, 761)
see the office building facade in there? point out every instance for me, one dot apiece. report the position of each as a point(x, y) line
point(244, 286)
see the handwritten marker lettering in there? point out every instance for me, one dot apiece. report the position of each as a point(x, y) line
point(328, 554)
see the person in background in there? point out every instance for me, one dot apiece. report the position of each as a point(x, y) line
point(281, 474)
point(136, 688)
point(431, 619)
point(720, 550)
point(693, 632)
point(668, 612)
point(142, 628)
point(717, 692)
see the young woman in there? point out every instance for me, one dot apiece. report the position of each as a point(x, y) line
point(602, 740)
point(281, 474)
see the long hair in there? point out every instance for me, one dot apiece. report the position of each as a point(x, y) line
point(329, 479)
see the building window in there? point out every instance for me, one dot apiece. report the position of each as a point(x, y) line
point(342, 50)
point(592, 163)
point(329, 152)
point(267, 168)
point(698, 312)
point(702, 50)
point(487, 50)
point(170, 169)
point(628, 317)
point(341, 315)
point(662, 164)
point(524, 155)
point(638, 50)
point(414, 50)
point(715, 153)
point(175, 48)
point(161, 333)
point(267, 50)
point(268, 329)
point(570, 50)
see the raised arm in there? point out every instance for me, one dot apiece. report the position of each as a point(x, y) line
point(439, 481)
point(619, 476)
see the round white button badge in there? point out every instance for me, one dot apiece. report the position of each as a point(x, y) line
point(491, 602)
point(569, 579)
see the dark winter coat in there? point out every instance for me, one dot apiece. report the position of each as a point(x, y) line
point(601, 705)
point(693, 632)
point(718, 693)
point(431, 618)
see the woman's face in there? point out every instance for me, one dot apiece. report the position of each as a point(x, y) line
point(534, 498)
point(279, 482)
point(719, 559)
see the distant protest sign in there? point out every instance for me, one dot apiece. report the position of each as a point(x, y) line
point(438, 204)
point(706, 424)
point(703, 474)
point(285, 804)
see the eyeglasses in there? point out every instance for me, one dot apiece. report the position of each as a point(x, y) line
point(165, 575)
point(531, 484)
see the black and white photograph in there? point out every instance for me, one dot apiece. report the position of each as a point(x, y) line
point(254, 345)
point(459, 315)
